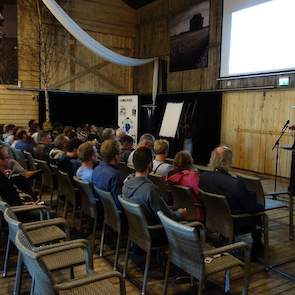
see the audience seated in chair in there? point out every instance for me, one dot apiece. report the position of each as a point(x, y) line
point(44, 145)
point(107, 176)
point(59, 149)
point(184, 174)
point(108, 133)
point(161, 149)
point(146, 140)
point(127, 147)
point(8, 136)
point(8, 192)
point(240, 200)
point(69, 162)
point(23, 141)
point(142, 191)
point(88, 155)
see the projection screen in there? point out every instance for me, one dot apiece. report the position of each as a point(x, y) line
point(257, 37)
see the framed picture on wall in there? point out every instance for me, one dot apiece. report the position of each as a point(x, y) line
point(189, 37)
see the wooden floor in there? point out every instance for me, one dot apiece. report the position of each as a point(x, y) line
point(262, 282)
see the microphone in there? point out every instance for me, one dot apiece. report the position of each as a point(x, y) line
point(286, 124)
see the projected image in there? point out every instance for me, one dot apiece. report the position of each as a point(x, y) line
point(189, 38)
point(258, 38)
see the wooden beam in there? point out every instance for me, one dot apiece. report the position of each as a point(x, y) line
point(80, 74)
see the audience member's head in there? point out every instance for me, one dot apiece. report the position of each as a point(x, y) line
point(32, 123)
point(120, 133)
point(21, 134)
point(9, 128)
point(44, 137)
point(4, 158)
point(161, 147)
point(87, 152)
point(93, 129)
point(127, 142)
point(60, 142)
point(147, 140)
point(110, 151)
point(70, 132)
point(108, 133)
point(143, 160)
point(221, 158)
point(72, 146)
point(183, 160)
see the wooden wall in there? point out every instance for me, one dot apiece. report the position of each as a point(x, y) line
point(17, 107)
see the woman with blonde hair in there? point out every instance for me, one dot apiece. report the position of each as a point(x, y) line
point(185, 175)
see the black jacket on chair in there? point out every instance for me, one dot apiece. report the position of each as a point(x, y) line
point(240, 200)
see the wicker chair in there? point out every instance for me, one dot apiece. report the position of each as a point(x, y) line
point(88, 204)
point(38, 265)
point(112, 219)
point(182, 198)
point(142, 235)
point(47, 182)
point(254, 184)
point(18, 209)
point(186, 252)
point(57, 184)
point(220, 220)
point(67, 189)
point(39, 233)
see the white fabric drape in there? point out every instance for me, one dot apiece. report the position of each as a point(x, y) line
point(76, 31)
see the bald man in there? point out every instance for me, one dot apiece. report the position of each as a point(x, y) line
point(240, 200)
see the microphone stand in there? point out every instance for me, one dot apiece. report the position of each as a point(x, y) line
point(276, 146)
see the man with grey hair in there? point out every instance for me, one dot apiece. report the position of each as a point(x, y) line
point(146, 140)
point(240, 200)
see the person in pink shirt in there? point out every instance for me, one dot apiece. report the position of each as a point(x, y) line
point(185, 175)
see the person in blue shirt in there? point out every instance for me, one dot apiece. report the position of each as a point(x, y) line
point(107, 176)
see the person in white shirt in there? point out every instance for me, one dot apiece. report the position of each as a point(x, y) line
point(146, 140)
point(161, 149)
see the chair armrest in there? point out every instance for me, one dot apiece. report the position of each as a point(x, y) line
point(28, 208)
point(227, 248)
point(92, 279)
point(70, 246)
point(198, 205)
point(60, 244)
point(260, 213)
point(195, 224)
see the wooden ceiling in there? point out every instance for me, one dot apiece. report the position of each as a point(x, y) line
point(137, 3)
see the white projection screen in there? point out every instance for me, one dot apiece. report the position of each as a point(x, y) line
point(257, 37)
point(171, 119)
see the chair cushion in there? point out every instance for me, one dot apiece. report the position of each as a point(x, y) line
point(64, 259)
point(46, 234)
point(96, 288)
point(221, 263)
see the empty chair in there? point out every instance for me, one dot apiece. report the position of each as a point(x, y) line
point(112, 219)
point(38, 265)
point(20, 158)
point(47, 182)
point(38, 232)
point(88, 204)
point(186, 252)
point(148, 238)
point(220, 220)
point(69, 192)
point(17, 209)
point(183, 198)
point(254, 184)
